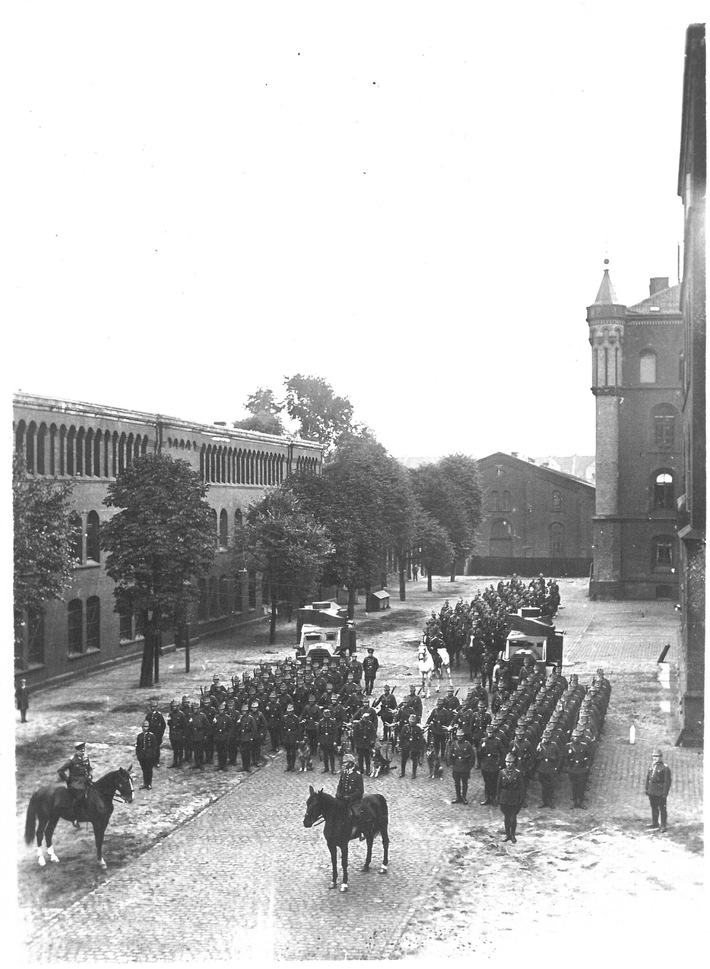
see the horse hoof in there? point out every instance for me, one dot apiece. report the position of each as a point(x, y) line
point(365, 868)
point(102, 864)
point(383, 870)
point(54, 859)
point(41, 862)
point(334, 885)
point(343, 888)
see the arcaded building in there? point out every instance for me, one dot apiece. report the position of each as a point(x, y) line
point(535, 519)
point(90, 444)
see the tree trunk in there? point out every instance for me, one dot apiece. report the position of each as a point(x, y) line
point(428, 579)
point(147, 661)
point(272, 622)
point(157, 643)
point(453, 570)
point(351, 601)
point(402, 579)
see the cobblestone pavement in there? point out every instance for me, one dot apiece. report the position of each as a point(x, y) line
point(232, 872)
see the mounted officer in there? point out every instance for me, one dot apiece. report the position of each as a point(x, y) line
point(351, 789)
point(77, 773)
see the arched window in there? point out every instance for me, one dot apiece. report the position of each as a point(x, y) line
point(75, 630)
point(93, 623)
point(495, 501)
point(556, 501)
point(647, 367)
point(663, 491)
point(663, 553)
point(76, 538)
point(501, 540)
point(500, 529)
point(557, 540)
point(664, 425)
point(93, 549)
point(223, 529)
point(506, 501)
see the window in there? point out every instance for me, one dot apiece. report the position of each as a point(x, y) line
point(76, 538)
point(93, 623)
point(663, 555)
point(75, 631)
point(664, 426)
point(35, 637)
point(495, 501)
point(506, 501)
point(238, 518)
point(647, 367)
point(500, 529)
point(557, 540)
point(215, 526)
point(556, 501)
point(223, 529)
point(663, 492)
point(93, 549)
point(125, 623)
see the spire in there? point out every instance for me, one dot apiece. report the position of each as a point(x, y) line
point(606, 294)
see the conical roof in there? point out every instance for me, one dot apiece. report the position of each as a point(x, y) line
point(606, 295)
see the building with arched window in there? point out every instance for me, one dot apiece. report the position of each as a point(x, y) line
point(535, 519)
point(90, 444)
point(639, 452)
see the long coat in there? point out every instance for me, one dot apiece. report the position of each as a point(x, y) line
point(658, 780)
point(511, 787)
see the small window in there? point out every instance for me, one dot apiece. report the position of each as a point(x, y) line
point(663, 553)
point(647, 367)
point(557, 540)
point(664, 426)
point(556, 501)
point(664, 492)
point(76, 538)
point(93, 623)
point(215, 526)
point(506, 501)
point(93, 549)
point(495, 501)
point(223, 529)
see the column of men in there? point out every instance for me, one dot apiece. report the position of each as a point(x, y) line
point(289, 705)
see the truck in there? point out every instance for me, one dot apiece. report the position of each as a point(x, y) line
point(324, 631)
point(529, 634)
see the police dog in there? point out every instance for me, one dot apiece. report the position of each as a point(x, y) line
point(305, 756)
point(434, 761)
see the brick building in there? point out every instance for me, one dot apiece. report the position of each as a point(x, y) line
point(534, 519)
point(692, 186)
point(90, 444)
point(636, 360)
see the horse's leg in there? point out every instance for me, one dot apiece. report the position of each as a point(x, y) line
point(41, 825)
point(368, 859)
point(99, 831)
point(344, 859)
point(334, 862)
point(385, 849)
point(48, 834)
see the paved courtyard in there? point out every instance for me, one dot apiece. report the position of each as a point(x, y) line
point(220, 866)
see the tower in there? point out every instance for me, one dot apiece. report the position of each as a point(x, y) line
point(606, 319)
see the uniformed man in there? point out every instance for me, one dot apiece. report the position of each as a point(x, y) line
point(274, 718)
point(510, 795)
point(260, 736)
point(437, 725)
point(414, 702)
point(328, 739)
point(291, 730)
point(658, 784)
point(246, 732)
point(461, 757)
point(370, 666)
point(412, 744)
point(156, 722)
point(451, 701)
point(492, 759)
point(147, 754)
point(222, 727)
point(351, 789)
point(177, 727)
point(548, 760)
point(196, 730)
point(388, 705)
point(577, 760)
point(364, 736)
point(77, 774)
point(310, 716)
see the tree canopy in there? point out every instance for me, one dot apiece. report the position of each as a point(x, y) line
point(43, 533)
point(286, 544)
point(162, 535)
point(321, 415)
point(264, 411)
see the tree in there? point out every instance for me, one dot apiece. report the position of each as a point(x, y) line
point(450, 492)
point(264, 413)
point(43, 539)
point(433, 546)
point(320, 414)
point(284, 543)
point(365, 502)
point(162, 536)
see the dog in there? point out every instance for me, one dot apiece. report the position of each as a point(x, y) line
point(305, 756)
point(434, 761)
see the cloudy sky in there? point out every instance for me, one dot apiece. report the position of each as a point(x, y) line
point(411, 200)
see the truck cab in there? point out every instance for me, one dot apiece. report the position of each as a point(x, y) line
point(531, 635)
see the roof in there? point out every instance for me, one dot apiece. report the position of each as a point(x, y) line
point(381, 594)
point(664, 301)
point(531, 467)
point(606, 295)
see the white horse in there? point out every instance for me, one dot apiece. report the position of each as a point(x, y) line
point(425, 664)
point(445, 665)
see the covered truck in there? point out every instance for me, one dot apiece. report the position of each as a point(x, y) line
point(531, 635)
point(324, 631)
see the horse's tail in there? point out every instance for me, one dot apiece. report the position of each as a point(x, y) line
point(31, 821)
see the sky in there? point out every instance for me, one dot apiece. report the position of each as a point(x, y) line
point(413, 201)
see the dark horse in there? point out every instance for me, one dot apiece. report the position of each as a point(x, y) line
point(53, 801)
point(338, 830)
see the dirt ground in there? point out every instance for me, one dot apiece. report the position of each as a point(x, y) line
point(594, 883)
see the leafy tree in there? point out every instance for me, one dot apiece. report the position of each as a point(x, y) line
point(433, 546)
point(319, 413)
point(284, 543)
point(450, 492)
point(161, 537)
point(43, 538)
point(264, 413)
point(365, 502)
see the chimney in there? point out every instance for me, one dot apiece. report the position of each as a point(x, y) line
point(220, 423)
point(657, 284)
